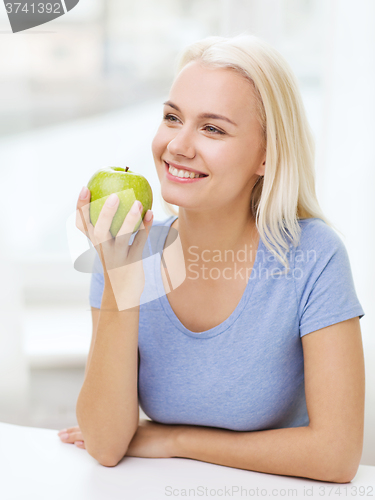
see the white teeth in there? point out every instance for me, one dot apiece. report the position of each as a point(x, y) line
point(183, 173)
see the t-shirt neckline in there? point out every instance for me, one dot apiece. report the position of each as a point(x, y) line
point(217, 330)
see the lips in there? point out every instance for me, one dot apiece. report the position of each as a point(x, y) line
point(181, 167)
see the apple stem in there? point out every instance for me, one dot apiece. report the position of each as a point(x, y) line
point(126, 169)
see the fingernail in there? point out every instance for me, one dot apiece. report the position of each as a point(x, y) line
point(148, 215)
point(63, 431)
point(136, 207)
point(64, 436)
point(111, 200)
point(83, 193)
point(79, 443)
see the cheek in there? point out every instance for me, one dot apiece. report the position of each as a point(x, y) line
point(221, 157)
point(161, 140)
point(158, 144)
point(243, 156)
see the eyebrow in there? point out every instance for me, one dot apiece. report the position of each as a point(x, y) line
point(213, 116)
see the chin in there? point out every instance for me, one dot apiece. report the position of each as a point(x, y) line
point(172, 200)
point(174, 197)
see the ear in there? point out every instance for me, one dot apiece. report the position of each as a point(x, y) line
point(261, 168)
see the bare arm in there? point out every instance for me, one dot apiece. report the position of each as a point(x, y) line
point(95, 312)
point(107, 406)
point(330, 447)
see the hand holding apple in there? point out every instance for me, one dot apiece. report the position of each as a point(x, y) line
point(128, 186)
point(124, 276)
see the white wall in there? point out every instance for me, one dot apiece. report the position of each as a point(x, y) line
point(346, 163)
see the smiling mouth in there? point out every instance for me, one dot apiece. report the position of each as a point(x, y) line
point(197, 175)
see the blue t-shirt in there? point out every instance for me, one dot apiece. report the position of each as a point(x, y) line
point(247, 373)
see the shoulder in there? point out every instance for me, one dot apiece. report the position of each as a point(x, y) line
point(320, 255)
point(318, 239)
point(315, 231)
point(323, 278)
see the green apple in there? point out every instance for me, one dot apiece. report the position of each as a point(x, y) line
point(128, 186)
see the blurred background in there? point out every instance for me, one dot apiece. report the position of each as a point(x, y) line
point(85, 91)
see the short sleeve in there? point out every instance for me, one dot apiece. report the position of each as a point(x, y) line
point(328, 295)
point(97, 284)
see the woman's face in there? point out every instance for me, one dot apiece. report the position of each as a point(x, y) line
point(229, 151)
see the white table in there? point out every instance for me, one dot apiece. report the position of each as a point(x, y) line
point(36, 465)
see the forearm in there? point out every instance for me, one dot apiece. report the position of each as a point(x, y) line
point(107, 406)
point(295, 451)
point(91, 349)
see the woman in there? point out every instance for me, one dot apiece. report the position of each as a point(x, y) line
point(254, 360)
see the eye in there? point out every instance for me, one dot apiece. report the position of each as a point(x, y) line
point(167, 118)
point(215, 130)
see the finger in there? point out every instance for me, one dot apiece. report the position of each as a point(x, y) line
point(130, 222)
point(103, 224)
point(71, 437)
point(140, 239)
point(80, 444)
point(83, 211)
point(69, 429)
point(74, 429)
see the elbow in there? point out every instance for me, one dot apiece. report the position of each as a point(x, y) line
point(107, 450)
point(107, 460)
point(344, 468)
point(339, 456)
point(346, 472)
point(109, 456)
point(342, 477)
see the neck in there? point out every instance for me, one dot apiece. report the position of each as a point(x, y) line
point(209, 234)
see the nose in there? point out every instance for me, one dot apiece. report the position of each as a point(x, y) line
point(182, 144)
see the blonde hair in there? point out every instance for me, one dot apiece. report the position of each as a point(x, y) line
point(286, 193)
